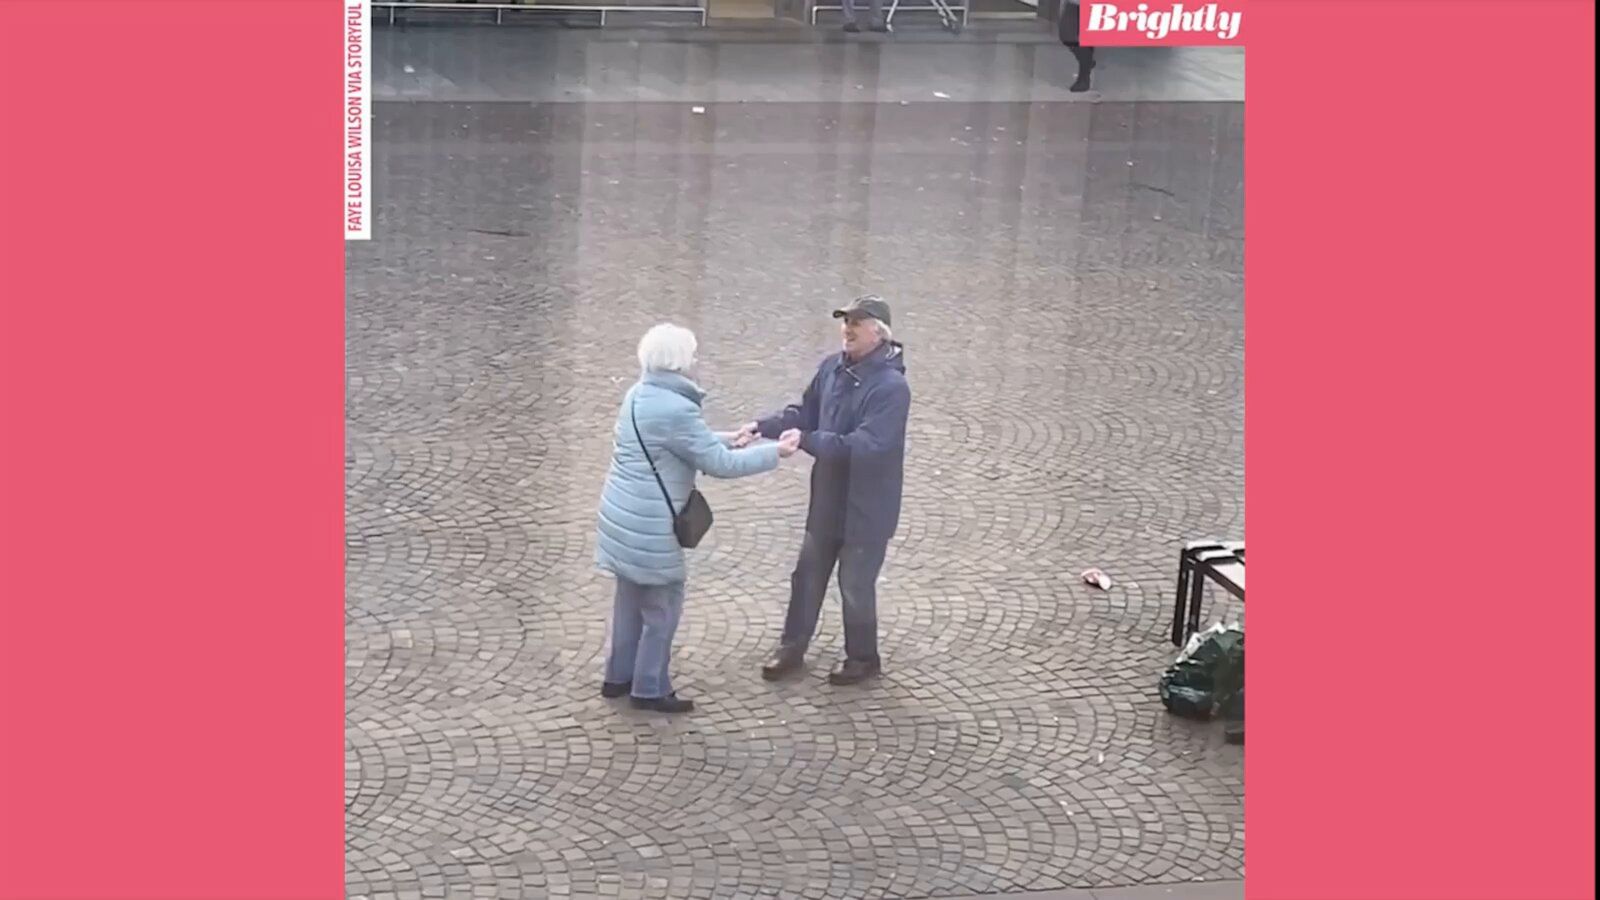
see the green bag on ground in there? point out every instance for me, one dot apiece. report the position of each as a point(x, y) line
point(1207, 675)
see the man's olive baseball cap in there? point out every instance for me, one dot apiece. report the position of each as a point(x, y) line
point(868, 307)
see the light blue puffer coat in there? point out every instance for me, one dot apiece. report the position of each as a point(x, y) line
point(636, 541)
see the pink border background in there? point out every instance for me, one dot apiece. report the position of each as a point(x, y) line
point(172, 375)
point(1419, 312)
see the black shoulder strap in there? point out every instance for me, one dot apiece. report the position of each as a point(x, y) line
point(633, 401)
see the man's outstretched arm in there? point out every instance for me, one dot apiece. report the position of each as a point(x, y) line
point(802, 415)
point(882, 429)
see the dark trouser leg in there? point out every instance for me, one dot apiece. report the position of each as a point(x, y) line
point(808, 585)
point(1085, 57)
point(859, 565)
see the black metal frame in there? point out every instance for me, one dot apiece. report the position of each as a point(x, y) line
point(1197, 562)
point(500, 8)
point(947, 10)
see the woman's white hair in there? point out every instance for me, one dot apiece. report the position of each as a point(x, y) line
point(883, 330)
point(667, 348)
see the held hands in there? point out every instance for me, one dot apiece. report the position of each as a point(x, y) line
point(788, 443)
point(746, 435)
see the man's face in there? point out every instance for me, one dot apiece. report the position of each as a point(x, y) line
point(859, 335)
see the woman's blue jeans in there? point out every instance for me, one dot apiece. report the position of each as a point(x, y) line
point(644, 619)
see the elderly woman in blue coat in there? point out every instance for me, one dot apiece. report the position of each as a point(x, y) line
point(660, 421)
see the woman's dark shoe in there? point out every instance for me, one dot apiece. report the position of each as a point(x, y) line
point(611, 690)
point(853, 671)
point(671, 703)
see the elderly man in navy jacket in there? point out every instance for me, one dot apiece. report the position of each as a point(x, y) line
point(852, 420)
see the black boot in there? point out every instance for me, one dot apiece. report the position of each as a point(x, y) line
point(611, 690)
point(1085, 58)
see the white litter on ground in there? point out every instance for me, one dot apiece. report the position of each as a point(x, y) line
point(1097, 578)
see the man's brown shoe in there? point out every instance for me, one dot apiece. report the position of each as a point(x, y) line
point(853, 671)
point(784, 663)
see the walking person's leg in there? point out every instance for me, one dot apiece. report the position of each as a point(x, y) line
point(1069, 30)
point(876, 21)
point(859, 566)
point(660, 608)
point(625, 626)
point(808, 586)
point(850, 22)
point(1085, 57)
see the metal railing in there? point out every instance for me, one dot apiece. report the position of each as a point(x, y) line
point(952, 16)
point(500, 8)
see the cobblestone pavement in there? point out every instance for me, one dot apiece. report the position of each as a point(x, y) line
point(1025, 63)
point(1067, 278)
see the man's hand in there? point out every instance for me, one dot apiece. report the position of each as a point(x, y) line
point(788, 443)
point(746, 435)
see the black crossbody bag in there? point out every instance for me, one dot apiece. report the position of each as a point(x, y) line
point(691, 525)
